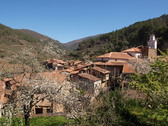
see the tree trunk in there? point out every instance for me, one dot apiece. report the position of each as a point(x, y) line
point(27, 115)
point(27, 120)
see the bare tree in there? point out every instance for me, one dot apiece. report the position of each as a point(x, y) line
point(141, 65)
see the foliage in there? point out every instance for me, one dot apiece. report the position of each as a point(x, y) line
point(112, 112)
point(150, 116)
point(154, 84)
point(131, 36)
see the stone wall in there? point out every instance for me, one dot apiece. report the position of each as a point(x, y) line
point(152, 53)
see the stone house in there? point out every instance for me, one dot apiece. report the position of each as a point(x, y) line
point(89, 84)
point(55, 64)
point(100, 73)
point(45, 106)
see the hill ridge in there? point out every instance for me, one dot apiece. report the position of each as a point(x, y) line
point(134, 35)
point(12, 41)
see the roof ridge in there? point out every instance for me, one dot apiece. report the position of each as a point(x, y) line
point(110, 54)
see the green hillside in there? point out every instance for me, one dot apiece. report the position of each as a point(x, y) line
point(42, 38)
point(72, 45)
point(131, 36)
point(12, 41)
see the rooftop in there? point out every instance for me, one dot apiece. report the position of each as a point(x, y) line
point(82, 66)
point(101, 70)
point(128, 69)
point(55, 61)
point(135, 49)
point(111, 63)
point(115, 55)
point(74, 72)
point(77, 62)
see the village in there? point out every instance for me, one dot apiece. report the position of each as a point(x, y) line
point(92, 77)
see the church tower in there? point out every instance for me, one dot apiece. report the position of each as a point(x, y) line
point(152, 43)
point(152, 47)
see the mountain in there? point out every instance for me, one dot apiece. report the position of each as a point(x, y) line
point(131, 36)
point(12, 41)
point(73, 45)
point(41, 37)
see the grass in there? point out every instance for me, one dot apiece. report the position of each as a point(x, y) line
point(39, 121)
point(48, 121)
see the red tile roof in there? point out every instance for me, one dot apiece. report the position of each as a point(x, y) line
point(67, 70)
point(55, 61)
point(53, 76)
point(115, 55)
point(89, 77)
point(77, 62)
point(111, 63)
point(101, 70)
point(74, 72)
point(82, 66)
point(135, 49)
point(128, 68)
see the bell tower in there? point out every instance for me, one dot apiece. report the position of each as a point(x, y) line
point(152, 43)
point(152, 47)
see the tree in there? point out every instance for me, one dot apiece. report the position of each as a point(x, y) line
point(154, 84)
point(32, 85)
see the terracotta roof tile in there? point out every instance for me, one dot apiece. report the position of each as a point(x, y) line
point(111, 63)
point(55, 61)
point(128, 68)
point(67, 70)
point(74, 72)
point(89, 77)
point(135, 49)
point(101, 70)
point(77, 62)
point(83, 66)
point(53, 76)
point(115, 55)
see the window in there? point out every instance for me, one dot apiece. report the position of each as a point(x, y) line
point(39, 110)
point(49, 110)
point(7, 85)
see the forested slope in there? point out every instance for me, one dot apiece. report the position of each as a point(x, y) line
point(131, 36)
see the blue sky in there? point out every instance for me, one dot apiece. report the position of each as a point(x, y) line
point(67, 20)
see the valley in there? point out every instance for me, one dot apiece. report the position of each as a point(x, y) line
point(116, 78)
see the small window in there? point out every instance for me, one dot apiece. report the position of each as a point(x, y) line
point(7, 85)
point(7, 96)
point(49, 110)
point(39, 110)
